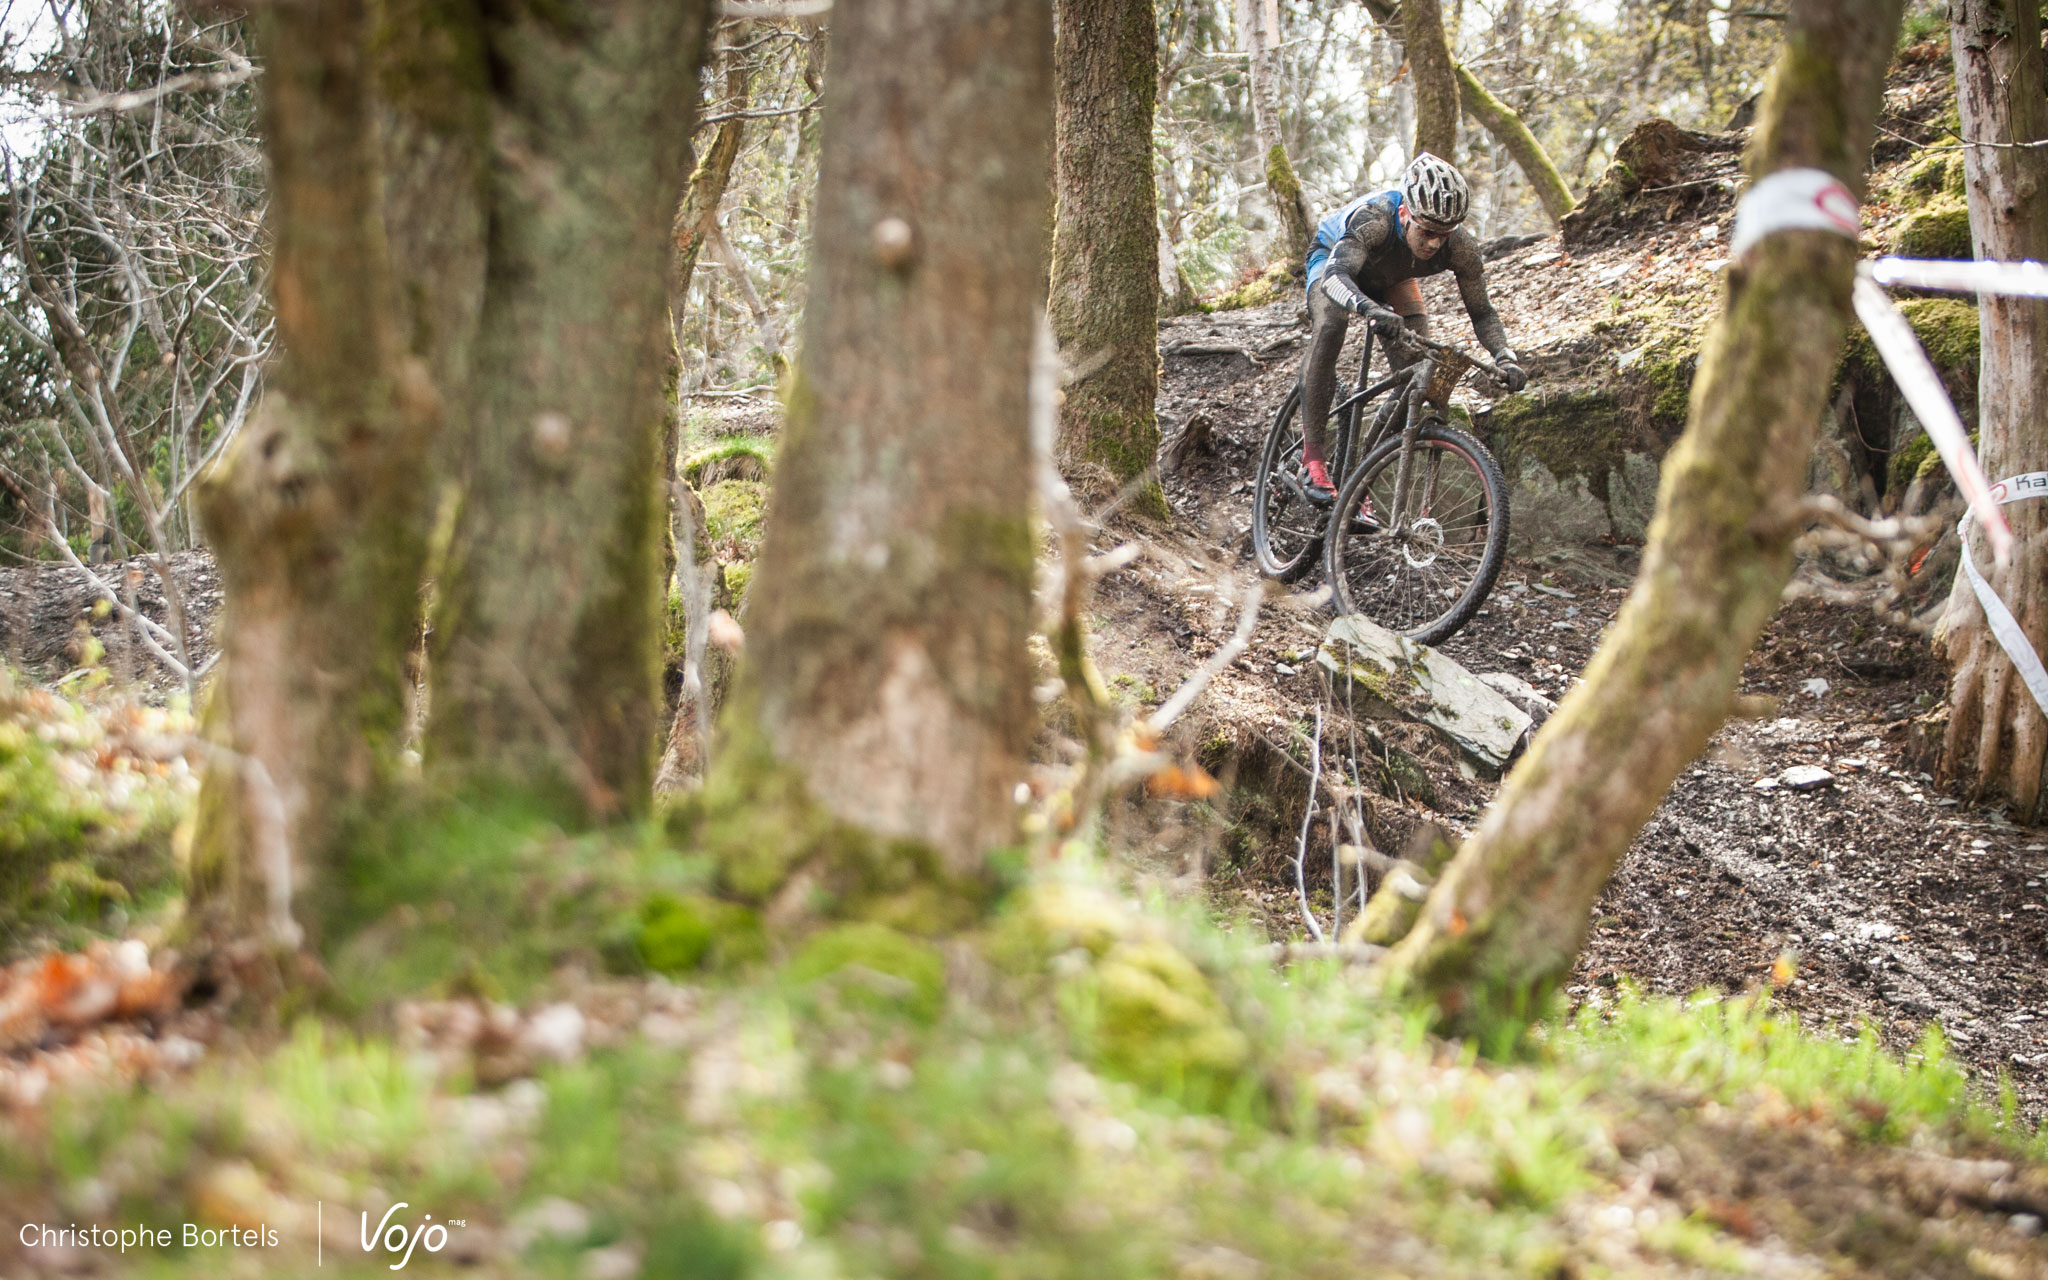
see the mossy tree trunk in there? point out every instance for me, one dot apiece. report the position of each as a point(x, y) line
point(1997, 737)
point(1258, 25)
point(547, 635)
point(698, 213)
point(1506, 126)
point(1436, 83)
point(1105, 252)
point(434, 155)
point(1494, 115)
point(317, 514)
point(879, 720)
point(1505, 922)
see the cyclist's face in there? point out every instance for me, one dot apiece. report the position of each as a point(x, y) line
point(1424, 239)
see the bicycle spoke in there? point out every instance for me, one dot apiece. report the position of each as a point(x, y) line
point(1425, 577)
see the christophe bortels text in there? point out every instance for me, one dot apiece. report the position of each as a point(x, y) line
point(398, 1238)
point(191, 1236)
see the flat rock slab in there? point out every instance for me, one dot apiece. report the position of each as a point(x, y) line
point(1394, 678)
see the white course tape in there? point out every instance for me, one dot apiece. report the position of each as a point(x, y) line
point(2012, 279)
point(2004, 628)
point(1794, 200)
point(1907, 361)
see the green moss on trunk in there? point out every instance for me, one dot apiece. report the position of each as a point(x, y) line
point(547, 639)
point(1105, 254)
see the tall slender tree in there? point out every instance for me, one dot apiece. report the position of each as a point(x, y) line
point(1498, 118)
point(1997, 737)
point(878, 723)
point(1505, 124)
point(1431, 69)
point(1258, 27)
point(1505, 922)
point(1105, 253)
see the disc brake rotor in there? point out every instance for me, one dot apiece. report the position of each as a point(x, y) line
point(1425, 538)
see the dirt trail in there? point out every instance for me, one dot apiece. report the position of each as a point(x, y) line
point(1898, 904)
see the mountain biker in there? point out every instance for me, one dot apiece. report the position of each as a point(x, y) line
point(1366, 259)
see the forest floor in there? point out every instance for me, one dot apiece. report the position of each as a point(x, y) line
point(1093, 1086)
point(1899, 905)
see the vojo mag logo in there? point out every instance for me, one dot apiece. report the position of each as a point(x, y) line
point(401, 1238)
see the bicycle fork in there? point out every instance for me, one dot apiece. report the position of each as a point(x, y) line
point(1397, 521)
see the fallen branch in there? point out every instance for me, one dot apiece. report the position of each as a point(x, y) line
point(239, 72)
point(1211, 349)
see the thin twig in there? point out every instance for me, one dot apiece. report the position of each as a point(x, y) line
point(766, 113)
point(1315, 778)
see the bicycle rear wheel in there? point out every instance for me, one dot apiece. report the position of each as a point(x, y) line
point(1427, 578)
point(1287, 529)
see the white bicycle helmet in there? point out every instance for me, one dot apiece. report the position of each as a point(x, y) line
point(1433, 189)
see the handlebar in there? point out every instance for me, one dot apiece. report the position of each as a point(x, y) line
point(1479, 362)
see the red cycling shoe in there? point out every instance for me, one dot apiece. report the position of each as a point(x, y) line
point(1319, 487)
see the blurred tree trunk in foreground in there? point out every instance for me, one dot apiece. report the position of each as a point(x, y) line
point(318, 512)
point(531, 305)
point(1997, 738)
point(1505, 922)
point(547, 636)
point(882, 709)
point(1105, 249)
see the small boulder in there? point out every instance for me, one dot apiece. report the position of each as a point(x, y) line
point(1394, 678)
point(1806, 777)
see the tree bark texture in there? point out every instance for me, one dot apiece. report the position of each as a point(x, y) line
point(1504, 923)
point(1436, 83)
point(882, 709)
point(317, 514)
point(1501, 120)
point(546, 641)
point(434, 129)
point(1997, 739)
point(1105, 254)
point(697, 216)
point(1258, 22)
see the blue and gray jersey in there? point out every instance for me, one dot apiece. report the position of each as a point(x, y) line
point(1360, 254)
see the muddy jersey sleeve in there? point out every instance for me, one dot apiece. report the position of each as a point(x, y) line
point(1367, 233)
point(1470, 269)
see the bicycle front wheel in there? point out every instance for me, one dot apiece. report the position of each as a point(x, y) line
point(1287, 529)
point(1428, 577)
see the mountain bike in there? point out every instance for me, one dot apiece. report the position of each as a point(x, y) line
point(1419, 526)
